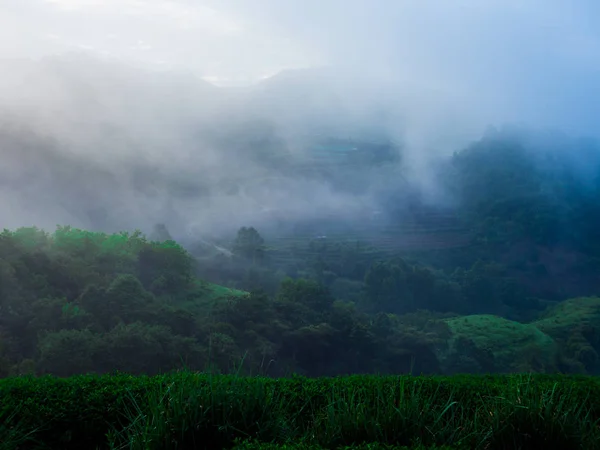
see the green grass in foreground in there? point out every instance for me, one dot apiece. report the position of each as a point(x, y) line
point(187, 410)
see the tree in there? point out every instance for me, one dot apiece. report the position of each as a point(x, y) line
point(68, 352)
point(142, 348)
point(308, 293)
point(249, 245)
point(160, 233)
point(387, 288)
point(164, 267)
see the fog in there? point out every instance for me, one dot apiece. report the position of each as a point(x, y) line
point(205, 115)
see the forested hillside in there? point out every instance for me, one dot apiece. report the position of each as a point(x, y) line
point(517, 293)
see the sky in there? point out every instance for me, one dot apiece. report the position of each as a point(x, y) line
point(531, 60)
point(454, 68)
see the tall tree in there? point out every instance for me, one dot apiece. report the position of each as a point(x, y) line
point(249, 244)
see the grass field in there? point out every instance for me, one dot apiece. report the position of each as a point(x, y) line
point(186, 410)
point(204, 296)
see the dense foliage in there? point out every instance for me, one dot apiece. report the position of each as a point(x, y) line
point(76, 301)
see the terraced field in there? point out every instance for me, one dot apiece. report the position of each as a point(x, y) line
point(374, 240)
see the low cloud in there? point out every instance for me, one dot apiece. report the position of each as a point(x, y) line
point(123, 114)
